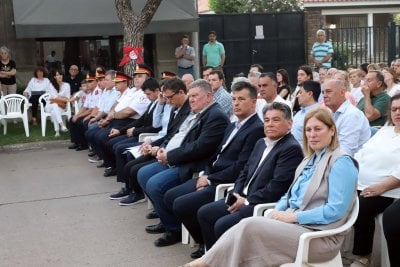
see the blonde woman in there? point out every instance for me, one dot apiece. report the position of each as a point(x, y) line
point(8, 69)
point(321, 197)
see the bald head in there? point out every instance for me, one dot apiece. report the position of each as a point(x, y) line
point(187, 79)
point(334, 94)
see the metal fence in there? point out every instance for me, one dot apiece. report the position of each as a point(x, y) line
point(354, 46)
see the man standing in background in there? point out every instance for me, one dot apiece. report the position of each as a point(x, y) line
point(185, 55)
point(322, 51)
point(213, 52)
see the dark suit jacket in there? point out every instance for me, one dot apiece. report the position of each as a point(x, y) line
point(142, 125)
point(276, 173)
point(234, 156)
point(174, 124)
point(200, 143)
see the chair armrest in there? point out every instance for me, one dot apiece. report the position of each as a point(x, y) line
point(143, 136)
point(220, 190)
point(304, 241)
point(259, 209)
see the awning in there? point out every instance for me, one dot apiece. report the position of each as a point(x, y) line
point(76, 18)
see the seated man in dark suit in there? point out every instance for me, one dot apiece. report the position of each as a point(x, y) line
point(185, 154)
point(122, 137)
point(175, 90)
point(265, 178)
point(224, 167)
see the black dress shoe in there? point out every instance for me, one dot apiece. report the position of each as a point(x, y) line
point(73, 146)
point(110, 172)
point(198, 253)
point(155, 229)
point(168, 238)
point(80, 148)
point(101, 165)
point(152, 215)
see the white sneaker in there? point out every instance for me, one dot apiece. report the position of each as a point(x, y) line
point(57, 134)
point(95, 159)
point(361, 262)
point(64, 129)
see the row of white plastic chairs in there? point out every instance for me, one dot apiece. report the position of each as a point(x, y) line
point(15, 107)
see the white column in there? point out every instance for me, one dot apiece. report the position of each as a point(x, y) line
point(370, 35)
point(195, 43)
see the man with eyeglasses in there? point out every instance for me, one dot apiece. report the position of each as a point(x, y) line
point(73, 78)
point(174, 91)
point(223, 167)
point(186, 153)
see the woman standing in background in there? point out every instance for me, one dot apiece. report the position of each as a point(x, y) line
point(8, 69)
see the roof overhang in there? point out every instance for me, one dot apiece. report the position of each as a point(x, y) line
point(358, 11)
point(349, 3)
point(78, 18)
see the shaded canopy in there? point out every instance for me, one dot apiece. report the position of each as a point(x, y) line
point(76, 18)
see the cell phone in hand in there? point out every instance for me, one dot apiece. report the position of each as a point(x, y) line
point(230, 199)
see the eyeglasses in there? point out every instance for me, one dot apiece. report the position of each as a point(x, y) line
point(394, 109)
point(169, 97)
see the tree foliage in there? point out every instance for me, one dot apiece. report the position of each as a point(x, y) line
point(252, 6)
point(396, 19)
point(134, 24)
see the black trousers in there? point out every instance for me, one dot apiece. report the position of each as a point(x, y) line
point(185, 202)
point(131, 169)
point(364, 227)
point(34, 100)
point(77, 130)
point(391, 228)
point(215, 219)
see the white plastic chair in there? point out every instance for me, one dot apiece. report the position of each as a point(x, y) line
point(304, 242)
point(220, 190)
point(12, 107)
point(44, 115)
point(219, 194)
point(76, 106)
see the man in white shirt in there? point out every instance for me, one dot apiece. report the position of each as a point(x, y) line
point(268, 87)
point(130, 106)
point(351, 123)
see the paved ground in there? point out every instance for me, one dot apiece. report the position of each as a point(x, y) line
point(54, 211)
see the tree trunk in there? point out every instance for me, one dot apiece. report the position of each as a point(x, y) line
point(134, 24)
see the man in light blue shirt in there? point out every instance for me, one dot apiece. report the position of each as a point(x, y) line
point(352, 125)
point(221, 96)
point(308, 100)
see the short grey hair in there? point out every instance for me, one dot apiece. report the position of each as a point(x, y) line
point(255, 74)
point(4, 49)
point(202, 84)
point(320, 31)
point(239, 79)
point(337, 82)
point(112, 73)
